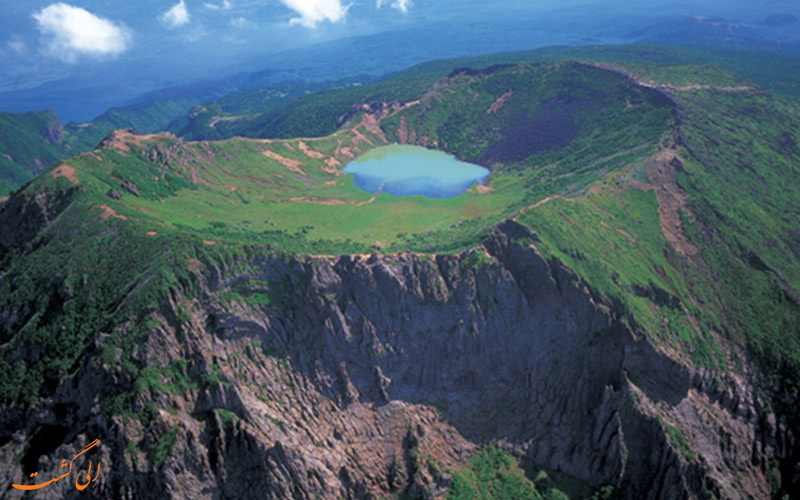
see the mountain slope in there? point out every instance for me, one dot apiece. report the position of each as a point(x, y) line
point(292, 194)
point(320, 114)
point(287, 110)
point(34, 141)
point(29, 143)
point(619, 306)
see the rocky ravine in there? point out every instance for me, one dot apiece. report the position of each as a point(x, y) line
point(363, 376)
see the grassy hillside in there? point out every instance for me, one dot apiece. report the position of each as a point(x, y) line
point(575, 152)
point(159, 192)
point(319, 114)
point(494, 475)
point(292, 194)
point(579, 153)
point(147, 117)
point(317, 109)
point(772, 72)
point(322, 113)
point(707, 233)
point(29, 143)
point(32, 142)
point(239, 111)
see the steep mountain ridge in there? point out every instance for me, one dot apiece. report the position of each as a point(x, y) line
point(399, 349)
point(598, 333)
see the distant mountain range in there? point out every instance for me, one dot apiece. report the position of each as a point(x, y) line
point(219, 61)
point(261, 112)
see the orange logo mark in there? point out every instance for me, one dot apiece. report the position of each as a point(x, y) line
point(64, 463)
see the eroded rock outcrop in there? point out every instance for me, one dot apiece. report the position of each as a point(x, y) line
point(362, 376)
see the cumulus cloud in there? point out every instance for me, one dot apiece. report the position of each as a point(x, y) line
point(401, 5)
point(177, 16)
point(314, 11)
point(225, 5)
point(70, 32)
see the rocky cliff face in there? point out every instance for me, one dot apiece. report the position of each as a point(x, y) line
point(362, 376)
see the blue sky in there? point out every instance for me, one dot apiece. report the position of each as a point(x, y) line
point(85, 31)
point(130, 47)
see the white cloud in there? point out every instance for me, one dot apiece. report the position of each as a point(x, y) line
point(401, 5)
point(225, 5)
point(242, 23)
point(177, 16)
point(315, 11)
point(70, 32)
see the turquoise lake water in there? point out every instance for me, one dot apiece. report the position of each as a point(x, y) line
point(406, 170)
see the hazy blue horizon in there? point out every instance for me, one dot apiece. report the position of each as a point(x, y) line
point(81, 57)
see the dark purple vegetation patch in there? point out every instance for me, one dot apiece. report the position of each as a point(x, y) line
point(553, 127)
